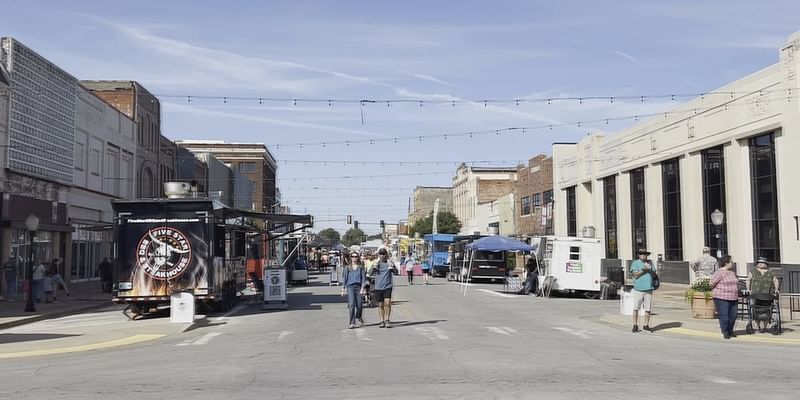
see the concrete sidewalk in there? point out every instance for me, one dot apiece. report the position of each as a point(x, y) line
point(84, 296)
point(672, 315)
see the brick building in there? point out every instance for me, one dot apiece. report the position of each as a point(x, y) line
point(133, 100)
point(478, 185)
point(424, 197)
point(533, 191)
point(253, 160)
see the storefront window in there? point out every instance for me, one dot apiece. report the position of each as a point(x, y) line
point(572, 213)
point(764, 193)
point(713, 160)
point(610, 205)
point(671, 182)
point(638, 215)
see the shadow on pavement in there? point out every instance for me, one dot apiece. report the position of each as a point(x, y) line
point(30, 337)
point(412, 323)
point(666, 325)
point(203, 323)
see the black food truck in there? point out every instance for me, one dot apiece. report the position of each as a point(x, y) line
point(164, 246)
point(486, 265)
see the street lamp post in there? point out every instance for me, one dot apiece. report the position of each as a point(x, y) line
point(717, 218)
point(32, 224)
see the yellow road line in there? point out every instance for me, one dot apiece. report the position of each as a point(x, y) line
point(73, 349)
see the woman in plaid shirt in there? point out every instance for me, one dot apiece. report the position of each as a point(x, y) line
point(725, 291)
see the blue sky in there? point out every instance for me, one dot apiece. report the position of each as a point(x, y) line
point(422, 50)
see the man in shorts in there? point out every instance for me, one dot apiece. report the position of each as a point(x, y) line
point(384, 270)
point(642, 290)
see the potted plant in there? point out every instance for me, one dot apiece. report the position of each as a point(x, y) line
point(699, 297)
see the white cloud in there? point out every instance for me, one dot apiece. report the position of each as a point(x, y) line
point(430, 78)
point(625, 55)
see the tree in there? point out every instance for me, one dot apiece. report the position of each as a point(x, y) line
point(329, 234)
point(353, 236)
point(446, 220)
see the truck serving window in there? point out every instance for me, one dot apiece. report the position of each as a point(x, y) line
point(574, 253)
point(440, 246)
point(489, 256)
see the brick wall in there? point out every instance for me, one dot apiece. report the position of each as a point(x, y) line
point(534, 178)
point(491, 190)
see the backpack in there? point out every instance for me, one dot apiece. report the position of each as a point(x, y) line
point(655, 279)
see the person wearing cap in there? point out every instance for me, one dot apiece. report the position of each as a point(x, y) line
point(354, 277)
point(384, 270)
point(762, 281)
point(642, 290)
point(705, 265)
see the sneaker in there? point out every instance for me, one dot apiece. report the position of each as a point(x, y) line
point(726, 335)
point(351, 326)
point(360, 322)
point(382, 325)
point(388, 324)
point(647, 328)
point(635, 329)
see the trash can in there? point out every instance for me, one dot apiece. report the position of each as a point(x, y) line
point(626, 302)
point(181, 307)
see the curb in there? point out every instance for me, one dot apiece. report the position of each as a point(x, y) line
point(56, 314)
point(680, 331)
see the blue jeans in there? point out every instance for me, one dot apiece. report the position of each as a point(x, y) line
point(38, 290)
point(11, 287)
point(726, 310)
point(354, 302)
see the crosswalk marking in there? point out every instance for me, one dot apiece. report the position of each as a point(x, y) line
point(284, 334)
point(348, 335)
point(432, 333)
point(503, 330)
point(496, 293)
point(206, 338)
point(574, 332)
point(199, 342)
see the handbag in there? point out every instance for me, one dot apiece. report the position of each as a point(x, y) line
point(656, 281)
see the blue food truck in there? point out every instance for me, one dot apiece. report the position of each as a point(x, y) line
point(436, 245)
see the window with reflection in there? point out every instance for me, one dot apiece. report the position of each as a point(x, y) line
point(671, 188)
point(764, 193)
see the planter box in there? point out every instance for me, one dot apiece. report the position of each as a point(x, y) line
point(702, 309)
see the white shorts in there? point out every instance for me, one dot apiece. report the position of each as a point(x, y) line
point(642, 300)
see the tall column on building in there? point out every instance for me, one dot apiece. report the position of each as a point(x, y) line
point(786, 148)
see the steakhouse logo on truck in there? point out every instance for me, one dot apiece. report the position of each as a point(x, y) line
point(164, 253)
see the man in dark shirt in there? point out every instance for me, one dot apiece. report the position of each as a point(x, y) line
point(384, 270)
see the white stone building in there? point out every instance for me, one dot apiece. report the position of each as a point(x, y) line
point(656, 184)
point(478, 185)
point(104, 169)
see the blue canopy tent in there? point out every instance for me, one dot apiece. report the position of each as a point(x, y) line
point(499, 243)
point(494, 244)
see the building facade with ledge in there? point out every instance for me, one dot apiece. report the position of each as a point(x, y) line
point(39, 132)
point(478, 185)
point(533, 192)
point(656, 184)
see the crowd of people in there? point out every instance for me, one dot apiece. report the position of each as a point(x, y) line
point(726, 288)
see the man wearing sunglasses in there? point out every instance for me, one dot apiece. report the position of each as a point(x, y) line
point(384, 270)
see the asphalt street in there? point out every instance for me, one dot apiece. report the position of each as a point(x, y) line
point(444, 345)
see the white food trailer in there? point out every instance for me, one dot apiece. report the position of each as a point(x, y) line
point(569, 264)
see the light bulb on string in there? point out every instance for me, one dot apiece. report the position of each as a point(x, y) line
point(260, 100)
point(188, 99)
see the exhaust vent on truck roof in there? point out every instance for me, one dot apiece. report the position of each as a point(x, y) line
point(176, 190)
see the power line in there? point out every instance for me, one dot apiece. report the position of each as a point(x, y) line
point(297, 101)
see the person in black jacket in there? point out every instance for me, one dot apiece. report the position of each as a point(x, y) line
point(104, 269)
point(532, 282)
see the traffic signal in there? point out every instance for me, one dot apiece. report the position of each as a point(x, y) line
point(349, 219)
point(355, 224)
point(383, 225)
